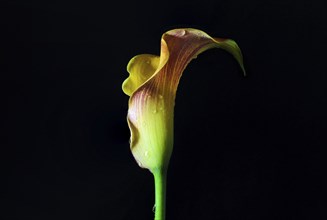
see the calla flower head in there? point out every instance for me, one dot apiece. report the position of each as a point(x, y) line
point(152, 86)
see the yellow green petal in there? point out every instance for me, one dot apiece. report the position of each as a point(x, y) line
point(152, 89)
point(231, 47)
point(140, 68)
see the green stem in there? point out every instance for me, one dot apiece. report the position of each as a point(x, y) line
point(160, 181)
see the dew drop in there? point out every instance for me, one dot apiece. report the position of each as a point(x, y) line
point(139, 163)
point(182, 33)
point(154, 208)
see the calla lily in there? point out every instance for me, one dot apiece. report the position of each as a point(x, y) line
point(152, 86)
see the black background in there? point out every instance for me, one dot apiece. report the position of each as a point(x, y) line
point(245, 148)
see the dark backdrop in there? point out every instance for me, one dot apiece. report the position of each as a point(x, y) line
point(245, 148)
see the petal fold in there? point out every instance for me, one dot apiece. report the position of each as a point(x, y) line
point(140, 68)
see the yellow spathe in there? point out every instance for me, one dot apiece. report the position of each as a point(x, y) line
point(152, 86)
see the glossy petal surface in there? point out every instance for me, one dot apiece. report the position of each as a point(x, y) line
point(152, 87)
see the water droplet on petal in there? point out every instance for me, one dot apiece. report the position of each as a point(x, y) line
point(182, 33)
point(139, 163)
point(154, 208)
point(179, 33)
